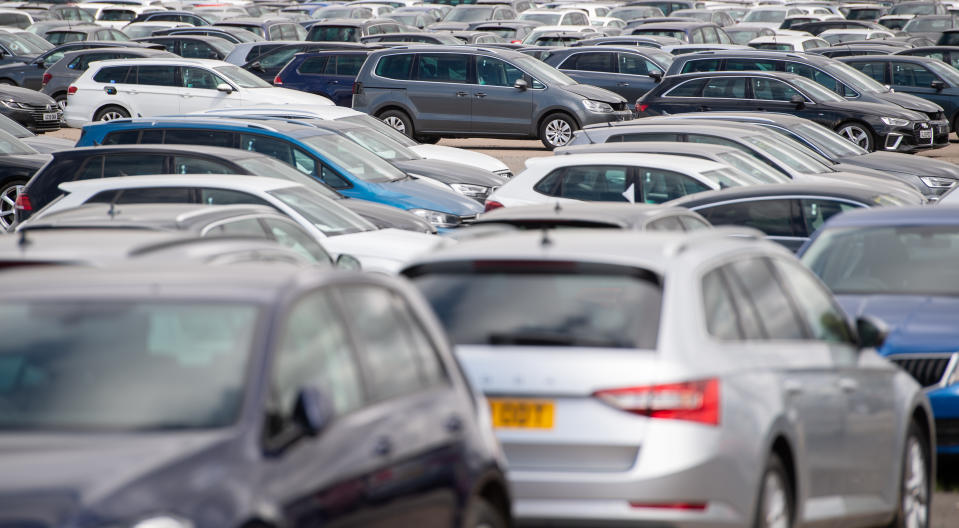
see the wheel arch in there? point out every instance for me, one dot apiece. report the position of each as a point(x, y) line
point(116, 104)
point(545, 114)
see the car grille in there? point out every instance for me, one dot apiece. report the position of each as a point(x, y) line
point(920, 140)
point(947, 432)
point(928, 370)
point(619, 107)
point(465, 220)
point(936, 116)
point(37, 111)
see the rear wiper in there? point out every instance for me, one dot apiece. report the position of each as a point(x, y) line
point(546, 338)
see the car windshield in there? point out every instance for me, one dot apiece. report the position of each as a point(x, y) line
point(10, 145)
point(771, 46)
point(542, 72)
point(333, 12)
point(142, 30)
point(12, 127)
point(631, 13)
point(563, 308)
point(949, 74)
point(705, 16)
point(662, 58)
point(37, 41)
point(787, 155)
point(727, 177)
point(333, 33)
point(354, 159)
point(504, 32)
point(856, 79)
point(241, 77)
point(178, 365)
point(827, 140)
point(765, 15)
point(256, 30)
point(329, 217)
point(838, 38)
point(905, 260)
point(19, 46)
point(676, 34)
point(381, 127)
point(548, 19)
point(272, 168)
point(380, 145)
point(116, 15)
point(751, 166)
point(472, 14)
point(742, 36)
point(925, 8)
point(818, 92)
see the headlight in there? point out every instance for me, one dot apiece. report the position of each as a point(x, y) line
point(164, 522)
point(938, 183)
point(477, 192)
point(895, 121)
point(437, 218)
point(10, 103)
point(596, 106)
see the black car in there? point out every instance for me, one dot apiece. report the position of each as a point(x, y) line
point(628, 71)
point(35, 111)
point(831, 74)
point(18, 163)
point(138, 160)
point(788, 214)
point(233, 34)
point(947, 54)
point(276, 28)
point(870, 125)
point(185, 17)
point(29, 72)
point(268, 65)
point(689, 32)
point(818, 27)
point(192, 46)
point(308, 396)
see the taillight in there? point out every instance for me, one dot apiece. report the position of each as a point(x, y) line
point(23, 203)
point(491, 204)
point(640, 107)
point(71, 90)
point(46, 78)
point(277, 81)
point(694, 401)
point(357, 88)
point(516, 42)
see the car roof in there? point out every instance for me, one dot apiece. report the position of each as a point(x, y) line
point(746, 73)
point(787, 39)
point(621, 214)
point(927, 48)
point(858, 193)
point(249, 183)
point(678, 25)
point(179, 61)
point(890, 216)
point(439, 48)
point(660, 160)
point(663, 147)
point(162, 216)
point(897, 58)
point(149, 148)
point(721, 129)
point(290, 127)
point(757, 116)
point(760, 54)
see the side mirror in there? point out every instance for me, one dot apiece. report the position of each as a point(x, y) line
point(521, 85)
point(224, 87)
point(311, 411)
point(656, 76)
point(871, 331)
point(257, 66)
point(798, 100)
point(937, 85)
point(347, 262)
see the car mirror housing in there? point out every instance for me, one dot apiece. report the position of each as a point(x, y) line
point(656, 76)
point(937, 85)
point(348, 262)
point(798, 100)
point(521, 84)
point(871, 332)
point(311, 411)
point(257, 66)
point(224, 87)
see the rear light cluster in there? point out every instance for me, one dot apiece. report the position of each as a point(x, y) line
point(71, 90)
point(23, 203)
point(694, 401)
point(46, 78)
point(277, 81)
point(640, 107)
point(492, 204)
point(357, 88)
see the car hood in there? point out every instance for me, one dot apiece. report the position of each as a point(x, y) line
point(412, 194)
point(47, 145)
point(48, 479)
point(909, 102)
point(594, 93)
point(275, 96)
point(24, 95)
point(26, 161)
point(387, 216)
point(903, 163)
point(917, 323)
point(458, 155)
point(881, 110)
point(450, 172)
point(383, 250)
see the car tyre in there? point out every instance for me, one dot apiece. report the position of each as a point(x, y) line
point(109, 113)
point(557, 130)
point(431, 140)
point(399, 121)
point(858, 133)
point(776, 506)
point(482, 514)
point(7, 82)
point(8, 199)
point(61, 99)
point(915, 482)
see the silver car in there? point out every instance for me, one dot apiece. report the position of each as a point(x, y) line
point(668, 379)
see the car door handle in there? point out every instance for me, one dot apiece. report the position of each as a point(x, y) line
point(383, 447)
point(622, 84)
point(848, 384)
point(461, 94)
point(703, 108)
point(334, 82)
point(480, 94)
point(792, 387)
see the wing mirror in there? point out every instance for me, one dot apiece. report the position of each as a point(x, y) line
point(937, 85)
point(521, 85)
point(656, 76)
point(224, 87)
point(257, 66)
point(798, 100)
point(347, 262)
point(312, 412)
point(871, 331)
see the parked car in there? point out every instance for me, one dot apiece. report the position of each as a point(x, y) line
point(743, 33)
point(870, 125)
point(185, 17)
point(246, 52)
point(216, 359)
point(233, 34)
point(818, 27)
point(594, 215)
point(887, 263)
point(138, 30)
point(327, 73)
point(627, 71)
point(37, 112)
point(947, 54)
point(350, 30)
point(930, 26)
point(421, 92)
point(633, 178)
point(462, 15)
point(512, 30)
point(771, 16)
point(918, 8)
point(270, 28)
point(720, 18)
point(146, 87)
point(687, 372)
point(797, 43)
point(40, 142)
point(555, 17)
point(193, 46)
point(28, 72)
point(848, 50)
point(64, 34)
point(689, 32)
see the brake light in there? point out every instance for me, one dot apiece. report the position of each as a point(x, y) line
point(71, 90)
point(641, 107)
point(516, 42)
point(694, 401)
point(23, 203)
point(491, 204)
point(46, 78)
point(277, 81)
point(357, 88)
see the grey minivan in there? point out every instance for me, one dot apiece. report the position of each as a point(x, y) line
point(456, 91)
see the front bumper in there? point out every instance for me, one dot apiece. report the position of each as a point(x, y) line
point(592, 118)
point(32, 118)
point(914, 137)
point(945, 410)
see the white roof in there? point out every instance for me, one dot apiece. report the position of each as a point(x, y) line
point(855, 31)
point(784, 39)
point(178, 61)
point(238, 183)
point(658, 161)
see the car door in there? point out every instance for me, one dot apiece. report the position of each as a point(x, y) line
point(153, 90)
point(198, 90)
point(441, 92)
point(773, 95)
point(598, 68)
point(340, 73)
point(916, 79)
point(637, 75)
point(590, 183)
point(724, 94)
point(421, 436)
point(498, 107)
point(779, 218)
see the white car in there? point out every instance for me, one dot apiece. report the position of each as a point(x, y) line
point(770, 16)
point(116, 15)
point(620, 177)
point(136, 30)
point(800, 43)
point(140, 87)
point(838, 36)
point(556, 17)
point(338, 230)
point(436, 152)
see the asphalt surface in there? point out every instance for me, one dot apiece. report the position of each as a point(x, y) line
point(514, 153)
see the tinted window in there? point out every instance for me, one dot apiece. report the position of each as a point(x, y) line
point(594, 183)
point(198, 50)
point(777, 316)
point(198, 78)
point(635, 65)
point(813, 74)
point(704, 65)
point(133, 164)
point(876, 70)
point(313, 65)
point(394, 66)
point(773, 217)
point(494, 72)
point(826, 321)
point(772, 90)
point(193, 136)
point(722, 320)
point(909, 74)
point(751, 64)
point(659, 185)
point(333, 34)
point(598, 62)
point(275, 148)
point(175, 195)
point(348, 65)
point(725, 88)
point(817, 210)
point(191, 165)
point(687, 89)
point(648, 136)
point(112, 74)
point(446, 67)
point(122, 137)
point(157, 75)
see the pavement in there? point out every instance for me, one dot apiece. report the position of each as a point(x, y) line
point(514, 153)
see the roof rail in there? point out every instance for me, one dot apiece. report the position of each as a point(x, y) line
point(708, 235)
point(205, 119)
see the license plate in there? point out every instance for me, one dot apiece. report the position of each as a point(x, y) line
point(522, 414)
point(925, 134)
point(50, 117)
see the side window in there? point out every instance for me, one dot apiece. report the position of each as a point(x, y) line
point(390, 351)
point(549, 185)
point(212, 138)
point(249, 227)
point(275, 148)
point(711, 140)
point(773, 217)
point(443, 67)
point(210, 196)
point(812, 74)
point(197, 50)
point(751, 65)
point(670, 223)
point(394, 66)
point(293, 236)
point(636, 65)
point(776, 312)
point(702, 65)
point(112, 74)
point(173, 195)
point(687, 89)
point(772, 90)
point(191, 165)
point(198, 78)
point(303, 162)
point(691, 223)
point(726, 87)
point(133, 165)
point(597, 62)
point(648, 136)
point(696, 37)
point(104, 34)
point(876, 70)
point(826, 321)
point(118, 35)
point(709, 35)
point(333, 179)
point(817, 210)
point(313, 65)
point(314, 351)
point(494, 72)
point(909, 74)
point(349, 64)
point(595, 183)
point(122, 137)
point(157, 75)
point(722, 319)
point(659, 185)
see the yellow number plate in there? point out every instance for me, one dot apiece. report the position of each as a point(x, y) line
point(522, 414)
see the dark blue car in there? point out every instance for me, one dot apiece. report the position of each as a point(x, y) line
point(327, 73)
point(226, 397)
point(899, 265)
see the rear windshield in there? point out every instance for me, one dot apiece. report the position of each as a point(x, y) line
point(333, 34)
point(544, 304)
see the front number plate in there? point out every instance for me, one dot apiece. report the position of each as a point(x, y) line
point(522, 414)
point(50, 117)
point(925, 134)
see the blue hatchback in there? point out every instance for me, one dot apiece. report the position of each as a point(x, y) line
point(327, 73)
point(322, 154)
point(898, 264)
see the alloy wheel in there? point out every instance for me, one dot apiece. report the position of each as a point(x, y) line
point(396, 123)
point(775, 507)
point(8, 198)
point(558, 132)
point(915, 486)
point(111, 115)
point(857, 135)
